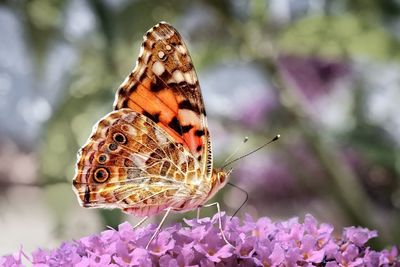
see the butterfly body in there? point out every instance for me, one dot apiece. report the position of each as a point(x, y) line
point(153, 152)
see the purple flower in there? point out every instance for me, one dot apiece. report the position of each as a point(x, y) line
point(14, 260)
point(164, 243)
point(67, 255)
point(140, 257)
point(199, 243)
point(185, 256)
point(278, 255)
point(213, 252)
point(245, 245)
point(357, 235)
point(40, 256)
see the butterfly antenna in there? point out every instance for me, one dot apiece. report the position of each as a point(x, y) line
point(244, 202)
point(253, 151)
point(236, 150)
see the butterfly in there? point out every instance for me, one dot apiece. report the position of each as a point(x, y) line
point(153, 153)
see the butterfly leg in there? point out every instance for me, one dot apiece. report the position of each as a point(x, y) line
point(219, 220)
point(158, 228)
point(198, 212)
point(140, 222)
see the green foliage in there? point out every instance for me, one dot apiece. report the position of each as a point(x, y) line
point(335, 36)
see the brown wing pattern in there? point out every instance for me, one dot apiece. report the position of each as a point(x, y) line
point(131, 163)
point(164, 87)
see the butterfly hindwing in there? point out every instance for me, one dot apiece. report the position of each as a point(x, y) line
point(131, 163)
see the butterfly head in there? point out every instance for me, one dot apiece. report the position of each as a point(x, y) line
point(219, 179)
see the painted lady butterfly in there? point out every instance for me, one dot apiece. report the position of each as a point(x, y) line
point(153, 153)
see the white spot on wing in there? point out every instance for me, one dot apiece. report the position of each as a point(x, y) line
point(187, 117)
point(146, 56)
point(141, 50)
point(131, 130)
point(161, 54)
point(139, 160)
point(183, 158)
point(130, 117)
point(196, 181)
point(189, 77)
point(178, 76)
point(158, 68)
point(181, 49)
point(161, 138)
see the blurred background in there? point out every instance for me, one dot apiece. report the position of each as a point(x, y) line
point(323, 74)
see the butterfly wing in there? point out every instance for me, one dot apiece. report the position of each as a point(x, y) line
point(131, 163)
point(164, 87)
point(154, 150)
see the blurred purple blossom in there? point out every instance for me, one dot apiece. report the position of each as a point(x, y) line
point(322, 88)
point(314, 77)
point(257, 243)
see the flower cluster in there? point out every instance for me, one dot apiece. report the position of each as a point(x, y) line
point(256, 243)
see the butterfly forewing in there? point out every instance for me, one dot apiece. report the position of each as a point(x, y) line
point(164, 87)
